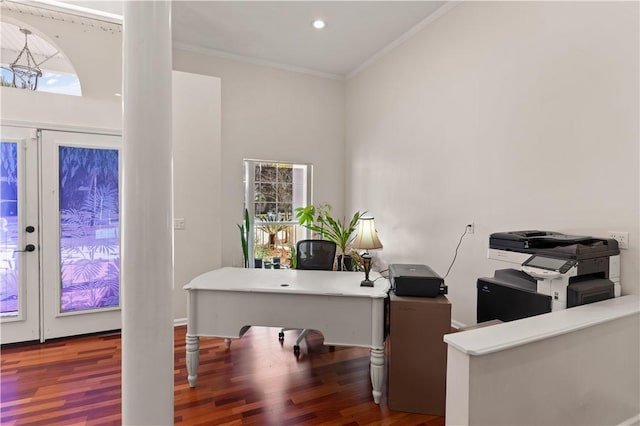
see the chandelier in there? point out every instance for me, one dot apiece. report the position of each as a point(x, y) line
point(25, 69)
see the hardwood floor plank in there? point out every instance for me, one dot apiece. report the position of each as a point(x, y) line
point(258, 382)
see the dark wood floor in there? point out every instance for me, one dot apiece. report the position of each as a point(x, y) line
point(258, 382)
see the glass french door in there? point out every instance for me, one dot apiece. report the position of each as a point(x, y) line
point(80, 233)
point(77, 238)
point(19, 255)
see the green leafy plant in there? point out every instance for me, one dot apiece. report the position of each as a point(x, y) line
point(244, 237)
point(313, 216)
point(341, 232)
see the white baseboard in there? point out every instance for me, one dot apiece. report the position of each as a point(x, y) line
point(457, 324)
point(633, 421)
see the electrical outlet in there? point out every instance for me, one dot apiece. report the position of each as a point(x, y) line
point(178, 223)
point(621, 237)
point(470, 228)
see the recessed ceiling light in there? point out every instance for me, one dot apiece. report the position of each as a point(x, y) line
point(318, 24)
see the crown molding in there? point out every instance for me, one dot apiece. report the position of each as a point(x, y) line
point(255, 61)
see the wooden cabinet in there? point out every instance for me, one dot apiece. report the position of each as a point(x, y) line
point(417, 372)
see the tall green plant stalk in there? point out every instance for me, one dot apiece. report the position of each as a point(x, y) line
point(294, 257)
point(244, 237)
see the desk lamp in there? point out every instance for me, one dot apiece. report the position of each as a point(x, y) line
point(366, 239)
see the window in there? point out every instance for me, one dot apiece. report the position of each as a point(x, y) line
point(58, 74)
point(273, 190)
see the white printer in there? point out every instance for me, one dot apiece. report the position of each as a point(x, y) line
point(554, 271)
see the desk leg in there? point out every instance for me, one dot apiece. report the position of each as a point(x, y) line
point(377, 373)
point(193, 359)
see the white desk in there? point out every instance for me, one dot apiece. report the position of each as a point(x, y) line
point(225, 302)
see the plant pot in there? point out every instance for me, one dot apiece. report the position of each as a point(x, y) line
point(348, 263)
point(257, 263)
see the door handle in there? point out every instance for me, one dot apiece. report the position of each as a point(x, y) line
point(27, 248)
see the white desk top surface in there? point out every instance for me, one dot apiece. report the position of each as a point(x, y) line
point(296, 281)
point(494, 338)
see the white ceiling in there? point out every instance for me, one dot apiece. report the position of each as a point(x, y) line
point(280, 32)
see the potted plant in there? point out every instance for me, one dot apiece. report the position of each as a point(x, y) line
point(258, 256)
point(338, 231)
point(342, 233)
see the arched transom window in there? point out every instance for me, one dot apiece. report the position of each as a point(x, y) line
point(58, 74)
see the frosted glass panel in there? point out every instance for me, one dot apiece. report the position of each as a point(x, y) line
point(9, 229)
point(89, 228)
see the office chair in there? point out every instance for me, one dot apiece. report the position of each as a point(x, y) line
point(312, 255)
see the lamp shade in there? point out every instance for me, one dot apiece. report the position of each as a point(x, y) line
point(367, 236)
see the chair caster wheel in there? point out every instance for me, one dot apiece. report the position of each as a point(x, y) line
point(281, 336)
point(296, 349)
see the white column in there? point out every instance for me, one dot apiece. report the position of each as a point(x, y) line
point(147, 258)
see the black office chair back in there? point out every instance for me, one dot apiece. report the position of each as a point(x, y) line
point(315, 254)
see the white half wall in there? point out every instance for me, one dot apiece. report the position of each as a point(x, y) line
point(511, 115)
point(589, 377)
point(271, 114)
point(576, 366)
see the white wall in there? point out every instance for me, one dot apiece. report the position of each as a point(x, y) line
point(196, 180)
point(272, 114)
point(511, 115)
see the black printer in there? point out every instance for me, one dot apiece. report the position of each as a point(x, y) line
point(415, 280)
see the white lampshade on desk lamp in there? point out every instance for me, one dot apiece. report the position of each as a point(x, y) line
point(366, 239)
